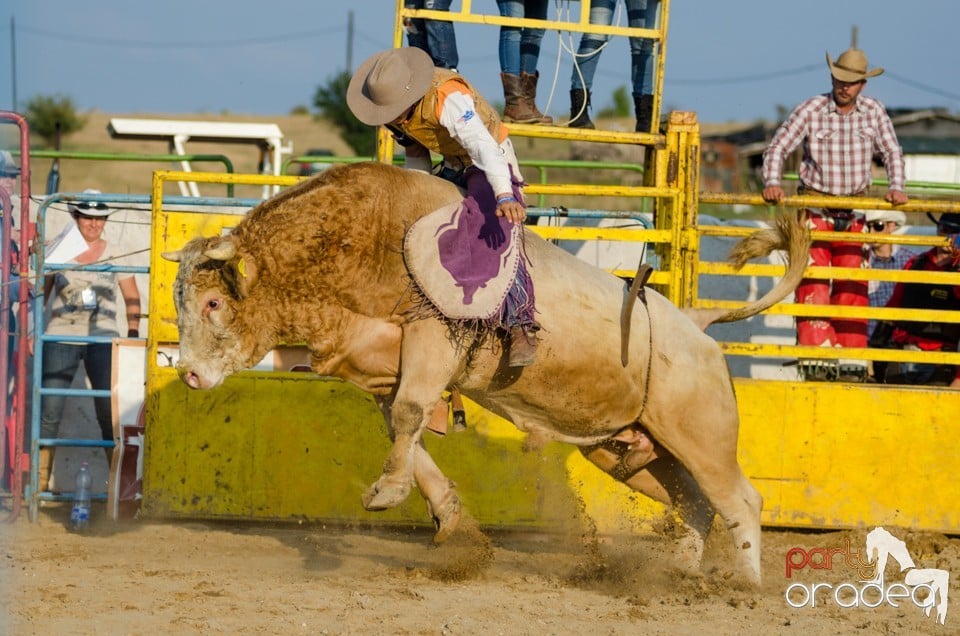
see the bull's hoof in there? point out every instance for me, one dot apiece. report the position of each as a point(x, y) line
point(446, 517)
point(381, 496)
point(689, 551)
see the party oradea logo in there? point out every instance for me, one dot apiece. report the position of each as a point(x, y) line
point(925, 588)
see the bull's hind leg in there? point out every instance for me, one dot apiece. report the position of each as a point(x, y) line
point(659, 475)
point(703, 436)
point(427, 363)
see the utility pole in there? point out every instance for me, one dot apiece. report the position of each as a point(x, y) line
point(13, 62)
point(853, 37)
point(350, 42)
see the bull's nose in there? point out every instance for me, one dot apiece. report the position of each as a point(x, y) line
point(189, 378)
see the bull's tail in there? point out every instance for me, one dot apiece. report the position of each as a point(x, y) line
point(787, 234)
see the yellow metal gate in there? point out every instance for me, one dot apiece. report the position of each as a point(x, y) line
point(282, 445)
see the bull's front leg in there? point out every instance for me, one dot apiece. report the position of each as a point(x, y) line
point(428, 362)
point(443, 502)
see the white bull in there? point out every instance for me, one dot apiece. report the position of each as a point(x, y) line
point(321, 263)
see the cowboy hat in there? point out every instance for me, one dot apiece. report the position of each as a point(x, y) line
point(90, 208)
point(389, 83)
point(893, 216)
point(7, 167)
point(851, 66)
point(948, 223)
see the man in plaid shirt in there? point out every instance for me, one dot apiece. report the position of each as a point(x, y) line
point(840, 132)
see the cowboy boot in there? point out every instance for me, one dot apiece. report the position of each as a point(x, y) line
point(523, 347)
point(579, 106)
point(643, 104)
point(528, 84)
point(516, 110)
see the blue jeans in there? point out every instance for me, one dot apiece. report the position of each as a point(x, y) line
point(926, 374)
point(520, 48)
point(640, 14)
point(60, 363)
point(436, 37)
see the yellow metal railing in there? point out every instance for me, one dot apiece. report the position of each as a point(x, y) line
point(677, 235)
point(467, 15)
point(838, 273)
point(793, 435)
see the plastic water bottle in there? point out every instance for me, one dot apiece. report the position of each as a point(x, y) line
point(80, 515)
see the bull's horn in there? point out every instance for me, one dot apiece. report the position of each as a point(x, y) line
point(222, 249)
point(171, 256)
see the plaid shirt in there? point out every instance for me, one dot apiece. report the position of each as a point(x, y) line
point(882, 290)
point(837, 149)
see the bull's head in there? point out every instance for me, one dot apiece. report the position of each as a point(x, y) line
point(212, 282)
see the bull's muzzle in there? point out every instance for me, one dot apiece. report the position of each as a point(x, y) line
point(190, 378)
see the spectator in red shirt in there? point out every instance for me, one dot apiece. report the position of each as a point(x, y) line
point(930, 336)
point(840, 133)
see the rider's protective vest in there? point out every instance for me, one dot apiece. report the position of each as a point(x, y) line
point(424, 124)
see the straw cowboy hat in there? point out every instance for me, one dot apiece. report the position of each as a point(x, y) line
point(90, 208)
point(851, 66)
point(389, 83)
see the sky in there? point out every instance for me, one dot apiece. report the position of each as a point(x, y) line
point(727, 61)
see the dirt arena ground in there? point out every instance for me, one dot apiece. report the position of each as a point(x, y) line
point(233, 578)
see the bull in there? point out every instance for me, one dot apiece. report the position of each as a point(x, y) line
point(321, 263)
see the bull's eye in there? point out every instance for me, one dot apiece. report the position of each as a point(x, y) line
point(213, 304)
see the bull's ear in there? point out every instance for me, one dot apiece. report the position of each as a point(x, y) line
point(245, 275)
point(171, 256)
point(221, 249)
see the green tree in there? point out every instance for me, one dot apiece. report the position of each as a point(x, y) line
point(45, 113)
point(331, 102)
point(622, 104)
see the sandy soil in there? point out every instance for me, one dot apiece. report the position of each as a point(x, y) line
point(192, 577)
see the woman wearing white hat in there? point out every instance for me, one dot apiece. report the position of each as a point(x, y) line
point(884, 256)
point(84, 303)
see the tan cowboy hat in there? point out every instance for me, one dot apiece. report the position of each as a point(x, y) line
point(389, 83)
point(851, 66)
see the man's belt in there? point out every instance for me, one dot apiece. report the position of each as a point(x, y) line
point(804, 189)
point(842, 217)
point(846, 215)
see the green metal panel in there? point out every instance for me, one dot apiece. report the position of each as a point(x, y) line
point(285, 446)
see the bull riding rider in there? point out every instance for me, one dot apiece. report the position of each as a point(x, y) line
point(435, 109)
point(840, 132)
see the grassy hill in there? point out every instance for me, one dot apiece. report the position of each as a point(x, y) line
point(133, 177)
point(304, 132)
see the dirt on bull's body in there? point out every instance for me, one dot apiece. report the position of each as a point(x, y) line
point(253, 578)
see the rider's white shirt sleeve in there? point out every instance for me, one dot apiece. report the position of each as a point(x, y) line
point(459, 117)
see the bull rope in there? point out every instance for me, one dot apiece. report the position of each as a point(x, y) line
point(637, 291)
